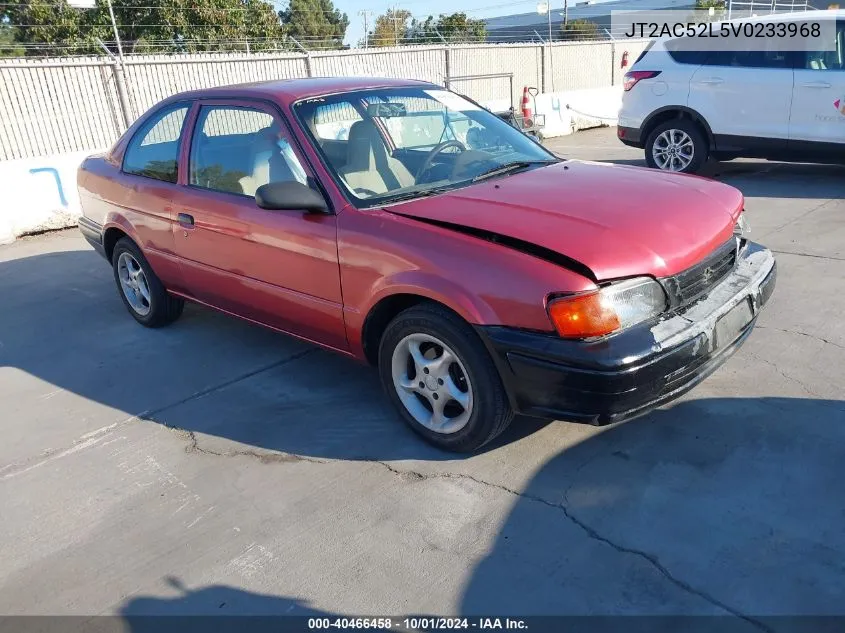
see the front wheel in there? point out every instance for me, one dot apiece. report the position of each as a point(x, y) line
point(440, 377)
point(677, 145)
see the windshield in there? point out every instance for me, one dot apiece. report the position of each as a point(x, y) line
point(390, 144)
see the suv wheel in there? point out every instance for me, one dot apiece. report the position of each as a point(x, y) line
point(677, 145)
point(440, 377)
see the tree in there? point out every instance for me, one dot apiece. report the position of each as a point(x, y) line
point(390, 28)
point(719, 9)
point(8, 46)
point(314, 23)
point(162, 26)
point(579, 30)
point(43, 23)
point(718, 5)
point(456, 27)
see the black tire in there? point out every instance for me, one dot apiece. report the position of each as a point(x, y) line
point(701, 147)
point(491, 412)
point(164, 308)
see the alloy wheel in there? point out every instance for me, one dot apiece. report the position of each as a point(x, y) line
point(673, 150)
point(432, 383)
point(133, 283)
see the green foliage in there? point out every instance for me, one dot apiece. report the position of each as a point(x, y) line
point(390, 28)
point(314, 23)
point(579, 30)
point(214, 177)
point(8, 46)
point(706, 4)
point(166, 26)
point(456, 27)
point(719, 9)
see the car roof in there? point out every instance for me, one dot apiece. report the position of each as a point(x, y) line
point(286, 91)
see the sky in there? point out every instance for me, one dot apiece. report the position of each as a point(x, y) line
point(423, 8)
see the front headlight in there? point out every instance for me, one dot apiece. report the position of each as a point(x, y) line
point(742, 228)
point(615, 307)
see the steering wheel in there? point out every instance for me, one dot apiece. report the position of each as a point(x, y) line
point(435, 151)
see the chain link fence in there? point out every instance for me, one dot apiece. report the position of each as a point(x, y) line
point(63, 105)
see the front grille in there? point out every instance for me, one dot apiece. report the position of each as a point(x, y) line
point(695, 282)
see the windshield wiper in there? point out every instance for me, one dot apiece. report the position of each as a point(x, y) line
point(509, 167)
point(416, 193)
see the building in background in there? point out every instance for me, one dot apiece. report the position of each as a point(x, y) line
point(534, 26)
point(528, 27)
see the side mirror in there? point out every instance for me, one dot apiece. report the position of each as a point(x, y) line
point(290, 196)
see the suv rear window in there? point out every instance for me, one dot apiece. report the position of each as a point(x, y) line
point(683, 56)
point(645, 50)
point(750, 54)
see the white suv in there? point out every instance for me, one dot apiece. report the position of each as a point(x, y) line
point(684, 107)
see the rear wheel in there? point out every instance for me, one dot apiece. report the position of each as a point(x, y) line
point(440, 377)
point(142, 292)
point(678, 145)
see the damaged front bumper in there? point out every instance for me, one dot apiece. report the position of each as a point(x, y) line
point(628, 374)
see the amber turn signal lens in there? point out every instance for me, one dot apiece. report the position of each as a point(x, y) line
point(583, 316)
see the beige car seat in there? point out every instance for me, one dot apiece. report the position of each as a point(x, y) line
point(264, 151)
point(369, 166)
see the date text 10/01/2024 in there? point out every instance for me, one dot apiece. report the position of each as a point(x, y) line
point(417, 623)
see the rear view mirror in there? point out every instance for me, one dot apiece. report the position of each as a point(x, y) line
point(290, 196)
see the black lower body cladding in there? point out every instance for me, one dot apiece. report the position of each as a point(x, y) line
point(627, 374)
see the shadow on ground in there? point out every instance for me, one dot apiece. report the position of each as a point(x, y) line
point(721, 506)
point(207, 373)
point(179, 613)
point(765, 179)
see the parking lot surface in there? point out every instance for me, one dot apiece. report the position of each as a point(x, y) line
point(216, 467)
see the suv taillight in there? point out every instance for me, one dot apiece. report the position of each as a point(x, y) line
point(633, 77)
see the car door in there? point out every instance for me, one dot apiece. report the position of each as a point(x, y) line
point(279, 268)
point(817, 120)
point(745, 94)
point(149, 177)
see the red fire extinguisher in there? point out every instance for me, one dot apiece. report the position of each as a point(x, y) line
point(624, 60)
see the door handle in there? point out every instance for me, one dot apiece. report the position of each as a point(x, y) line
point(186, 220)
point(816, 84)
point(713, 81)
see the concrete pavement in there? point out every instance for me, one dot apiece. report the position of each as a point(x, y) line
point(215, 467)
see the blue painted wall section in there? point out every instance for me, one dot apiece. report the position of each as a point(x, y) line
point(58, 179)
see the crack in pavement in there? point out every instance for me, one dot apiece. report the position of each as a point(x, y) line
point(94, 437)
point(796, 219)
point(829, 257)
point(785, 375)
point(265, 457)
point(589, 531)
point(414, 476)
point(798, 332)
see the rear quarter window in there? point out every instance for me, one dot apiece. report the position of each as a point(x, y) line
point(154, 150)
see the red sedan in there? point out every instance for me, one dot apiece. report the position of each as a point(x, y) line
point(404, 225)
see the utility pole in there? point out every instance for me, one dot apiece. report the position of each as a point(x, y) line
point(565, 13)
point(90, 4)
point(547, 8)
point(395, 18)
point(116, 35)
point(366, 15)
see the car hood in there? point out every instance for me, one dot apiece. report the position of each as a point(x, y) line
point(616, 220)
